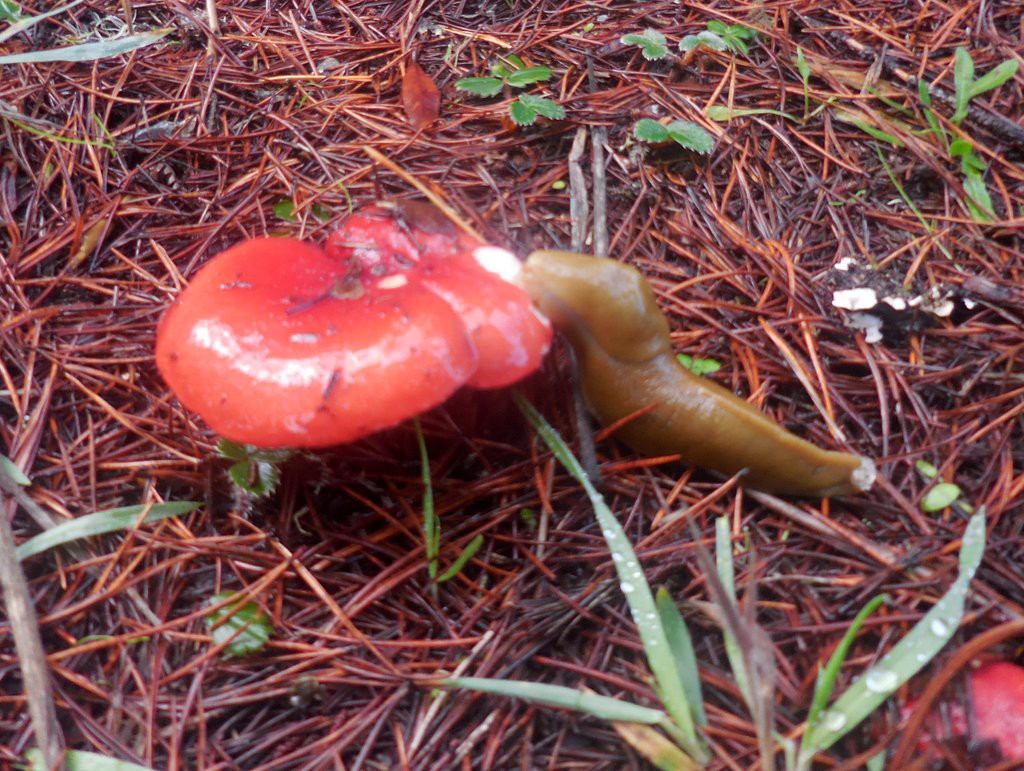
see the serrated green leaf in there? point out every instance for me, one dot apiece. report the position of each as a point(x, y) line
point(691, 135)
point(516, 62)
point(528, 75)
point(652, 43)
point(87, 52)
point(246, 626)
point(994, 78)
point(705, 38)
point(480, 86)
point(522, 114)
point(648, 130)
point(940, 496)
point(100, 522)
point(543, 106)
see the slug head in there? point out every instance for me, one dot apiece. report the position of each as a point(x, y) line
point(597, 301)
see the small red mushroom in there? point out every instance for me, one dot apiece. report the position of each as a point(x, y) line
point(278, 343)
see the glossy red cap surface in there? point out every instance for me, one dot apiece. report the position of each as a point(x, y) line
point(276, 344)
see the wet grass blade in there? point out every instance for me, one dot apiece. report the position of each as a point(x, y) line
point(634, 586)
point(101, 522)
point(604, 707)
point(906, 659)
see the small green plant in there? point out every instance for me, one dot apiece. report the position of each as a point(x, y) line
point(685, 133)
point(242, 626)
point(721, 37)
point(255, 471)
point(9, 11)
point(285, 209)
point(941, 494)
point(966, 88)
point(698, 366)
point(652, 44)
point(525, 109)
point(805, 76)
point(432, 523)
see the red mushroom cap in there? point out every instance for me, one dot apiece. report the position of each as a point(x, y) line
point(277, 345)
point(413, 238)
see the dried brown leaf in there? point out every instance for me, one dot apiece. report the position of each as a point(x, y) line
point(420, 97)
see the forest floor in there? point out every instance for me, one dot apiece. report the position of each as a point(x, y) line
point(120, 177)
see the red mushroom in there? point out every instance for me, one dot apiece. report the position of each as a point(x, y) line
point(277, 343)
point(996, 711)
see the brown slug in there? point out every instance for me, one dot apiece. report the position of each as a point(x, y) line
point(607, 312)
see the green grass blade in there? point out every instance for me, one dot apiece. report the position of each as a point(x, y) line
point(723, 562)
point(681, 643)
point(827, 677)
point(634, 586)
point(23, 24)
point(78, 760)
point(906, 658)
point(87, 52)
point(604, 707)
point(460, 562)
point(100, 522)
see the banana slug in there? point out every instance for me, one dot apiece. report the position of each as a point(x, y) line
point(607, 312)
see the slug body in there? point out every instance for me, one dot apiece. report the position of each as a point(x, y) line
point(607, 312)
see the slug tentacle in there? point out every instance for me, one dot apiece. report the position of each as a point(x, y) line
point(608, 313)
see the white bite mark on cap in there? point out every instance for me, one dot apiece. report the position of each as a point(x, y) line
point(395, 281)
point(855, 299)
point(499, 261)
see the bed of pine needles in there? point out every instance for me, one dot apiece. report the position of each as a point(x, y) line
point(120, 177)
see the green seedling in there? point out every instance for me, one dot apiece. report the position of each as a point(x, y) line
point(805, 77)
point(942, 494)
point(685, 133)
point(967, 87)
point(432, 523)
point(255, 471)
point(698, 366)
point(652, 44)
point(525, 109)
point(721, 37)
point(285, 209)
